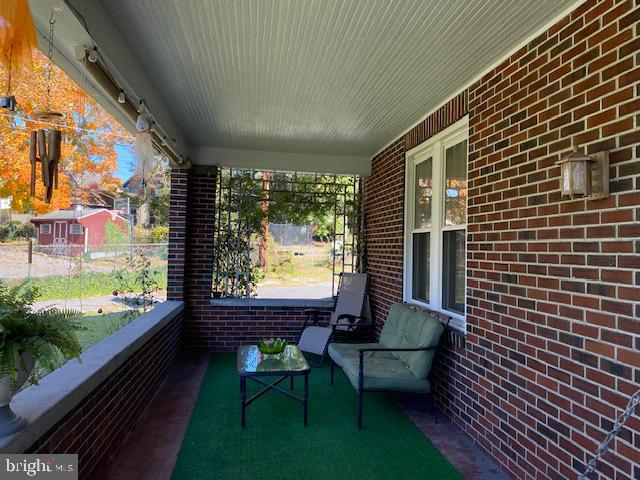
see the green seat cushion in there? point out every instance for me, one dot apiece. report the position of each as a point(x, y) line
point(409, 328)
point(382, 372)
point(341, 351)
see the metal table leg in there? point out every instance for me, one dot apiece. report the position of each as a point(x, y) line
point(243, 395)
point(306, 399)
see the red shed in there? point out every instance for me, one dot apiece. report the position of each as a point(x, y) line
point(73, 232)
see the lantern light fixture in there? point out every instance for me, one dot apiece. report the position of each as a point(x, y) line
point(584, 175)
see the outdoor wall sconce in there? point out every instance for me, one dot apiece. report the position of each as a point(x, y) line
point(584, 175)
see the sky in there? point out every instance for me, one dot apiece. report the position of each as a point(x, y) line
point(125, 162)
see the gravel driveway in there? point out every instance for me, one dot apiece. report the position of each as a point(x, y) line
point(14, 264)
point(317, 291)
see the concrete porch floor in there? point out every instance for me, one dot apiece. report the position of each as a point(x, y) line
point(151, 449)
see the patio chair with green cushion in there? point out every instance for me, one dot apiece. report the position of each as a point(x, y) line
point(401, 361)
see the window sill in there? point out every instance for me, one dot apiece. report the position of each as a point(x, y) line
point(457, 323)
point(58, 393)
point(273, 302)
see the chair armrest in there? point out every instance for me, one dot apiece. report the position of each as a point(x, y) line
point(384, 349)
point(312, 314)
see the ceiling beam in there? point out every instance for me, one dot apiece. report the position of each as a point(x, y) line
point(68, 33)
point(126, 69)
point(283, 161)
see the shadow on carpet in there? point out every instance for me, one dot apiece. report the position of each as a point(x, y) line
point(276, 444)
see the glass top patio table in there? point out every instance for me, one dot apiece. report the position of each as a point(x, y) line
point(252, 362)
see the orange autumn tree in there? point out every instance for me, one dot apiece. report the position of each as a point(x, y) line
point(90, 136)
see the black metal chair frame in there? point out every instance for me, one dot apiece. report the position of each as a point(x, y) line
point(361, 389)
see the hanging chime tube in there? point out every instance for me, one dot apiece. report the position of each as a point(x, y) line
point(42, 156)
point(33, 157)
point(53, 153)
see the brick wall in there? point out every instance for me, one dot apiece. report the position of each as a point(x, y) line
point(553, 284)
point(96, 427)
point(219, 328)
point(384, 208)
point(383, 205)
point(229, 327)
point(177, 233)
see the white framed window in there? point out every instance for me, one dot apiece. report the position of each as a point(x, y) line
point(436, 223)
point(76, 229)
point(45, 228)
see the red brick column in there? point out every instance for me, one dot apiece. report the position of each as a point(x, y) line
point(198, 270)
point(177, 229)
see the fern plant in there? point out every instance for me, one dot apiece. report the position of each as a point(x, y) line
point(48, 335)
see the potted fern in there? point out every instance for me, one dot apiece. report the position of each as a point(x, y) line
point(32, 342)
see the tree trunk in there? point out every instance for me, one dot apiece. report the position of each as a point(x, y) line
point(263, 248)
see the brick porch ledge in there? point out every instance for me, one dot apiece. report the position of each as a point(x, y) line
point(59, 393)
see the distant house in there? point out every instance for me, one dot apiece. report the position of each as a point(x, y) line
point(5, 209)
point(94, 198)
point(142, 195)
point(72, 232)
point(134, 185)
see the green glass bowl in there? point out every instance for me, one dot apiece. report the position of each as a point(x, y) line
point(277, 346)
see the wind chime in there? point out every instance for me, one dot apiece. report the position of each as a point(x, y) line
point(143, 150)
point(45, 143)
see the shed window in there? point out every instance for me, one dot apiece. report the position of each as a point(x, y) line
point(45, 228)
point(76, 229)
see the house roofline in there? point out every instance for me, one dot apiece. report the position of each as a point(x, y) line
point(81, 217)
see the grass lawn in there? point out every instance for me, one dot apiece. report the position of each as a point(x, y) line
point(99, 327)
point(87, 284)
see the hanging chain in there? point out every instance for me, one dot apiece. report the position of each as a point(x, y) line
point(634, 403)
point(52, 22)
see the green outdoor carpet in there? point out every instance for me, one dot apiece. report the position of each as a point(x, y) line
point(276, 444)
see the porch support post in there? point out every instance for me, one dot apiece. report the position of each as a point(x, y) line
point(177, 234)
point(192, 208)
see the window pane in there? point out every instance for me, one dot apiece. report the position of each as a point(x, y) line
point(453, 275)
point(423, 192)
point(455, 188)
point(421, 255)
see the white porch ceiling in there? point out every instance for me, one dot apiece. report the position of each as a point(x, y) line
point(326, 79)
point(342, 77)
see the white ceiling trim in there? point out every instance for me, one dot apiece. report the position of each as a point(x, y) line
point(283, 161)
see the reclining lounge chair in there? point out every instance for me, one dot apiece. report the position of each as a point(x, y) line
point(347, 316)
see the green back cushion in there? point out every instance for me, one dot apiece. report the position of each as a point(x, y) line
point(408, 328)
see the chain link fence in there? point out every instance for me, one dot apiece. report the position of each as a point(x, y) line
point(23, 260)
point(287, 234)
